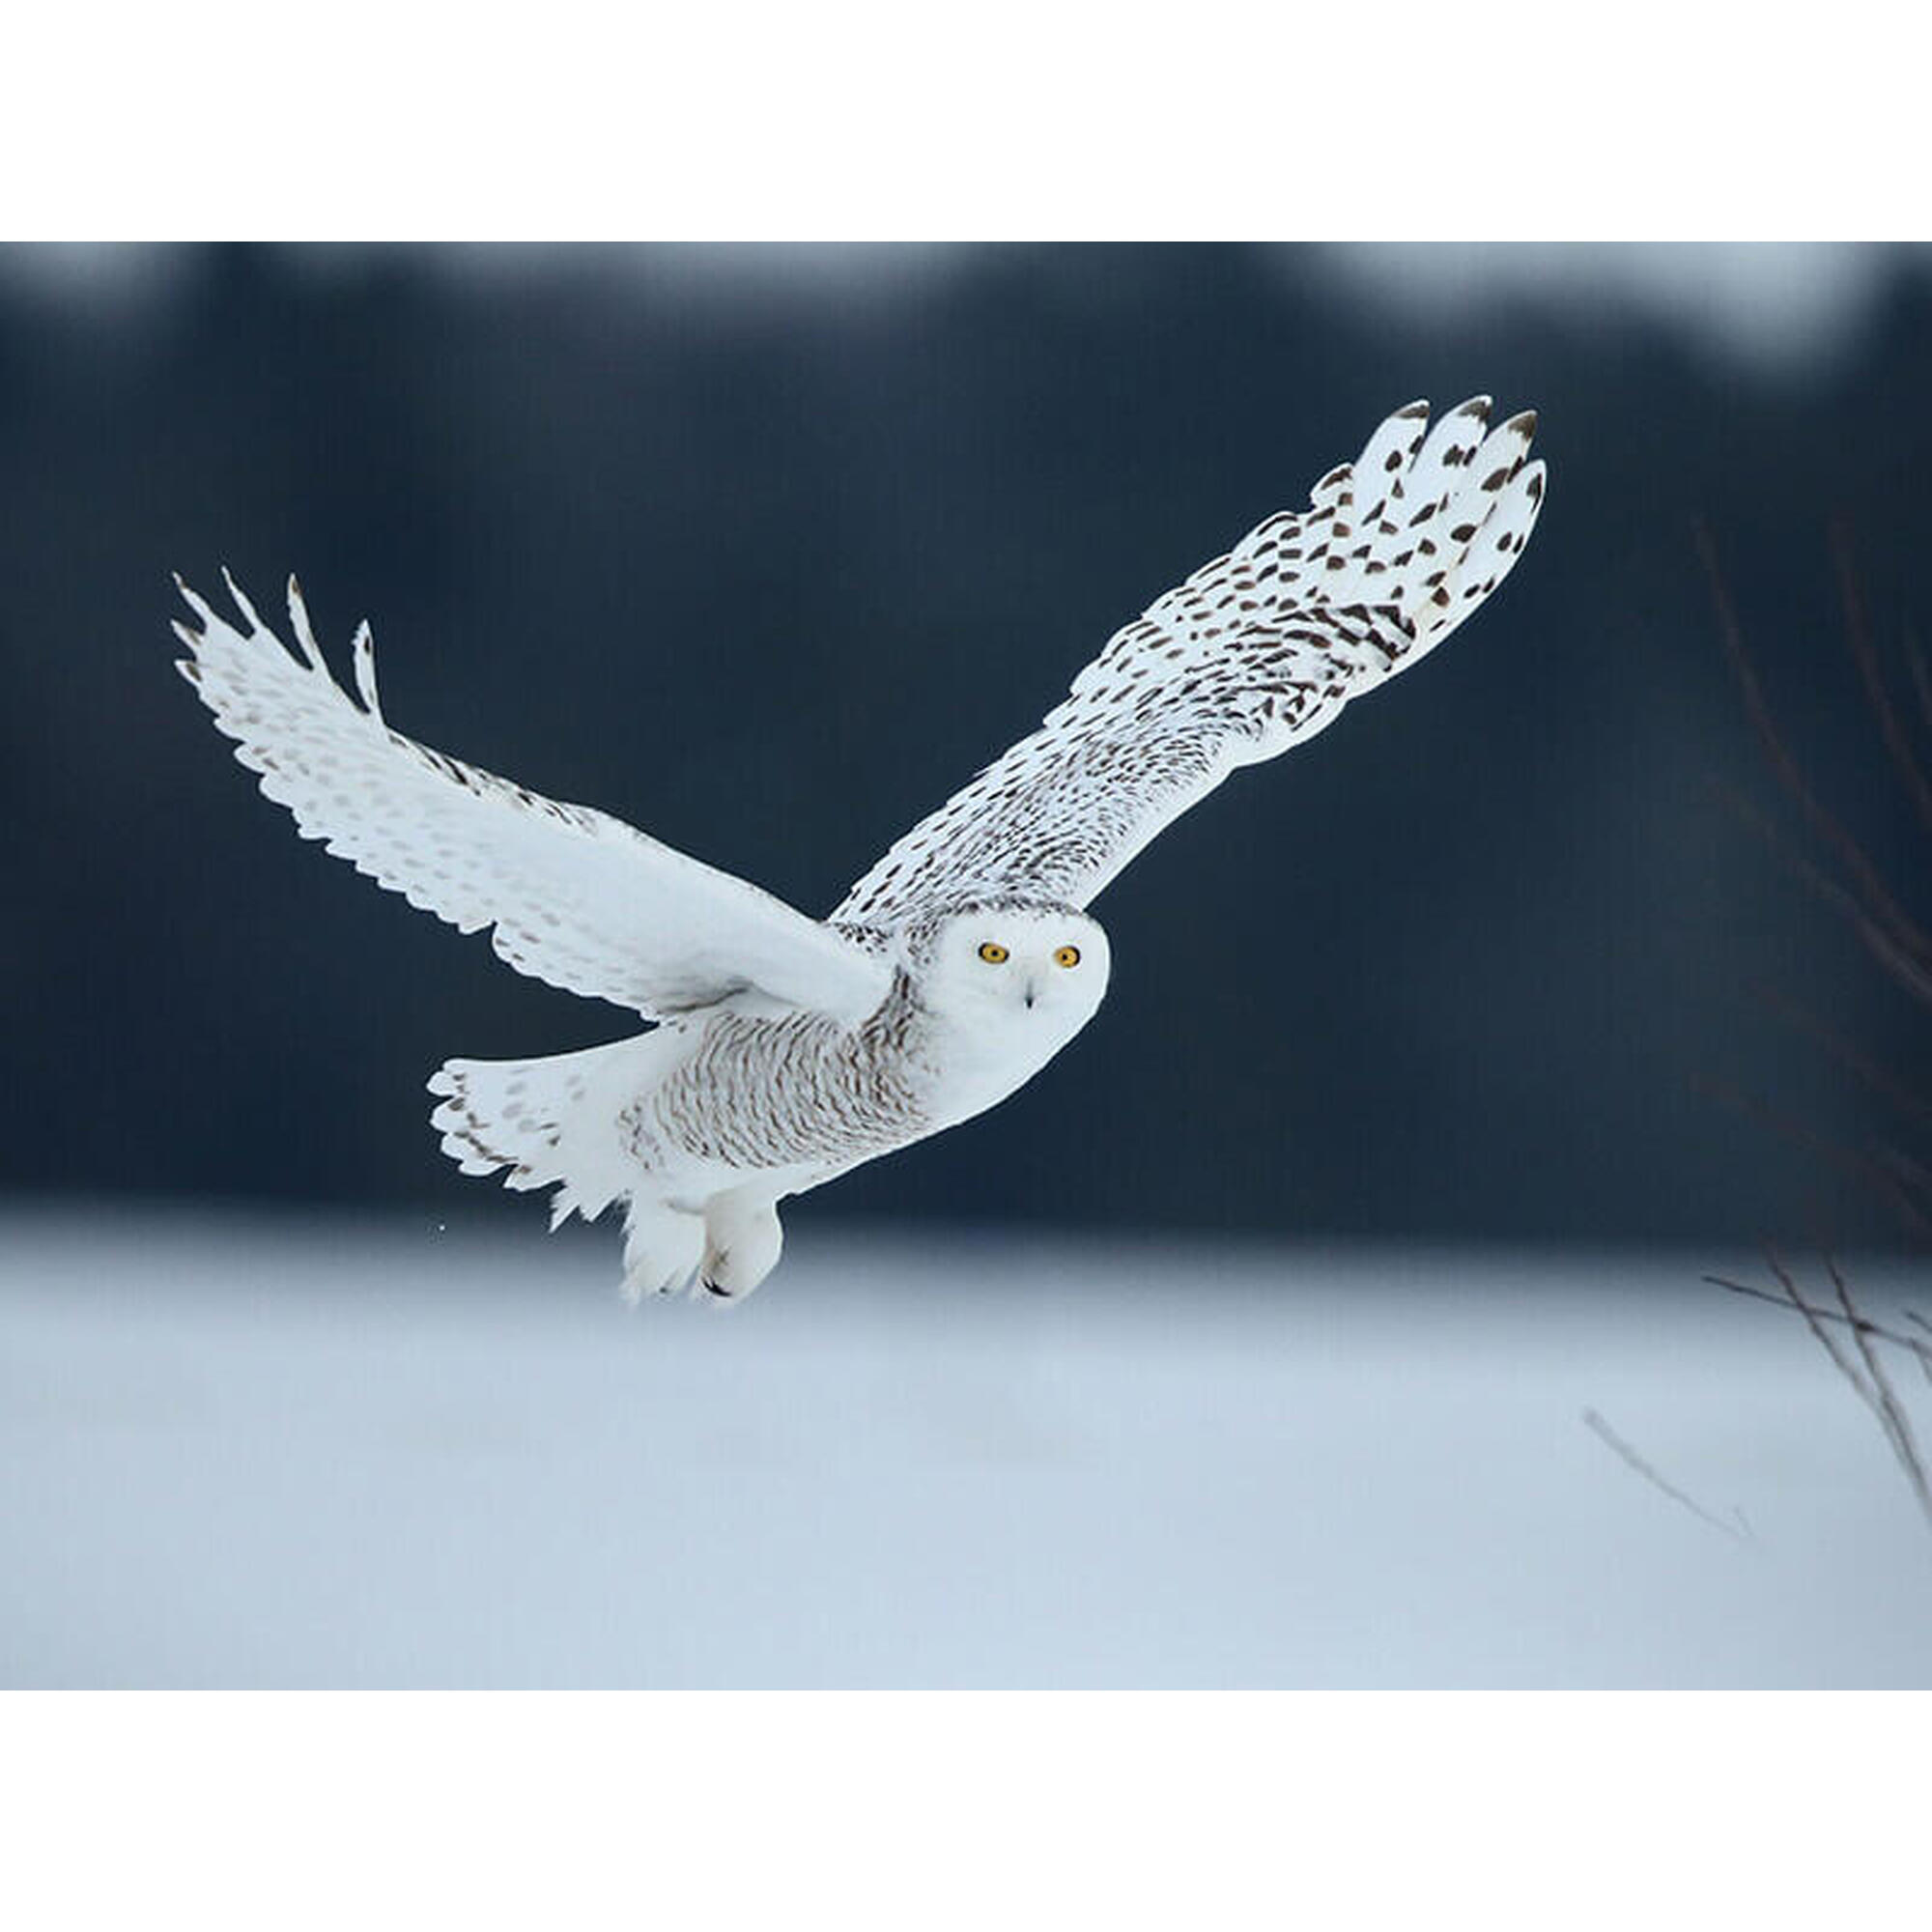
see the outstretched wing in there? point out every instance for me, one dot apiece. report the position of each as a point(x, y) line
point(1255, 652)
point(577, 898)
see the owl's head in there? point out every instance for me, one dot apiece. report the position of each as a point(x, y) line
point(1036, 971)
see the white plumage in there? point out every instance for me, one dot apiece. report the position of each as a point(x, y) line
point(790, 1049)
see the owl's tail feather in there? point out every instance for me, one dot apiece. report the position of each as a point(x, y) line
point(553, 1121)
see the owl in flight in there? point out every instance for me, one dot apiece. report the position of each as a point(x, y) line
point(789, 1049)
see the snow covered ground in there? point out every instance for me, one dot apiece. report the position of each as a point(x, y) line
point(246, 1453)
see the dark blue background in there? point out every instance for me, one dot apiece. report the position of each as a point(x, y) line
point(771, 569)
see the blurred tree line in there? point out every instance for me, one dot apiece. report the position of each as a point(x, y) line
point(771, 571)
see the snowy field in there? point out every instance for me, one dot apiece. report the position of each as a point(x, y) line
point(245, 1453)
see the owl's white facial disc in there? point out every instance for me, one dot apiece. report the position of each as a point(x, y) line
point(1014, 985)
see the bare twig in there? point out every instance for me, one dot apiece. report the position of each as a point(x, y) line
point(1738, 1531)
point(1842, 1050)
point(1862, 1166)
point(1814, 1320)
point(1864, 654)
point(1922, 679)
point(1924, 1355)
point(1899, 945)
point(1878, 898)
point(1922, 1350)
point(1869, 1381)
point(1910, 974)
point(1912, 1176)
point(1885, 1402)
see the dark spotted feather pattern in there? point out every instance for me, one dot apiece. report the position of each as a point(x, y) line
point(1257, 651)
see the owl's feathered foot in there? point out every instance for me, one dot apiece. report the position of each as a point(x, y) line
point(742, 1243)
point(663, 1248)
point(723, 1253)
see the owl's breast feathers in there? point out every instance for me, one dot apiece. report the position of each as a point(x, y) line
point(802, 1090)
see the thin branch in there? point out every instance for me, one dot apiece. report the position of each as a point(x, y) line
point(1913, 1177)
point(1843, 1051)
point(1899, 945)
point(1861, 1166)
point(1921, 1350)
point(1922, 679)
point(1885, 1402)
point(1924, 1355)
point(1908, 972)
point(1814, 1320)
point(1858, 637)
point(1871, 1383)
point(1876, 893)
point(1600, 1429)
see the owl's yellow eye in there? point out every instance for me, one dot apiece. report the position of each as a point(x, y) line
point(994, 953)
point(1066, 955)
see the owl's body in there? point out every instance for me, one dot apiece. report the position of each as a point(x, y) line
point(789, 1050)
point(711, 1120)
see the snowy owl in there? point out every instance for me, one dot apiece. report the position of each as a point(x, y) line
point(787, 1050)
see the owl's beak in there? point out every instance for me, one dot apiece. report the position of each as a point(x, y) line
point(1031, 992)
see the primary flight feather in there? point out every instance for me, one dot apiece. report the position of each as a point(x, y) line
point(790, 1049)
